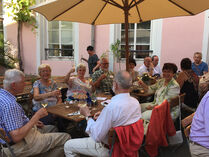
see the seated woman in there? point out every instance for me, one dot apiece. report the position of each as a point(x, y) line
point(45, 92)
point(134, 74)
point(165, 88)
point(77, 84)
point(188, 82)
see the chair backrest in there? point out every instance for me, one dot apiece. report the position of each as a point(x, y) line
point(186, 124)
point(175, 101)
point(111, 134)
point(6, 139)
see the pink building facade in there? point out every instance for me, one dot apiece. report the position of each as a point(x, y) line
point(171, 39)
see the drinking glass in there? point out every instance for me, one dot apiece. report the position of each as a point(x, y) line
point(44, 103)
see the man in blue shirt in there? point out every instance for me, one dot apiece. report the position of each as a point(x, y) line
point(198, 66)
point(25, 138)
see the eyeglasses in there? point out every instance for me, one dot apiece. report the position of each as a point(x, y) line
point(105, 63)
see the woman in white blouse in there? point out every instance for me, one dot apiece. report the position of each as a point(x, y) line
point(77, 84)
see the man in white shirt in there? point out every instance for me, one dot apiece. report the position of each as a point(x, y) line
point(147, 67)
point(121, 111)
point(157, 69)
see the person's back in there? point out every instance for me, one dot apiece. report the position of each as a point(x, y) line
point(199, 132)
point(191, 97)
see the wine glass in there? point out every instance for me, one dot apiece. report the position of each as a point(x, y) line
point(44, 105)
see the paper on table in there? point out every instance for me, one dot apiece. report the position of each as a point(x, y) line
point(101, 98)
point(106, 102)
point(74, 113)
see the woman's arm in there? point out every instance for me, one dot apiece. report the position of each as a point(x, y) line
point(181, 78)
point(37, 96)
point(68, 75)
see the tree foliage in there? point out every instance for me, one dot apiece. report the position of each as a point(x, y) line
point(20, 11)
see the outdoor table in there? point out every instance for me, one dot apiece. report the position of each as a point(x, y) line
point(63, 111)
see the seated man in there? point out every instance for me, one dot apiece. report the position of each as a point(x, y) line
point(199, 133)
point(157, 70)
point(198, 66)
point(147, 67)
point(25, 139)
point(102, 79)
point(121, 111)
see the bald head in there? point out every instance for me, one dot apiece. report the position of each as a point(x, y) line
point(123, 79)
point(104, 64)
point(147, 61)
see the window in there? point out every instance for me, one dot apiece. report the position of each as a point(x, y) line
point(60, 39)
point(139, 39)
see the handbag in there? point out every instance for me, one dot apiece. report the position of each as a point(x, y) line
point(177, 138)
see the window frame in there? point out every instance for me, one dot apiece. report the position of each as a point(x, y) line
point(47, 57)
point(150, 51)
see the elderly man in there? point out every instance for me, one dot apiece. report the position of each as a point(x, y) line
point(198, 66)
point(199, 133)
point(121, 111)
point(25, 139)
point(147, 67)
point(102, 79)
point(93, 61)
point(157, 69)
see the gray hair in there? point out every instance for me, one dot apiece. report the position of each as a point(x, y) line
point(11, 76)
point(123, 79)
point(80, 66)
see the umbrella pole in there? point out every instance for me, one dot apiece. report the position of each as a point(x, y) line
point(126, 10)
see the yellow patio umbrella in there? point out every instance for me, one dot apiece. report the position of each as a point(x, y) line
point(99, 12)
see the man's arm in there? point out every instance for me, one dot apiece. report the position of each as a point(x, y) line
point(99, 129)
point(84, 59)
point(97, 66)
point(97, 82)
point(18, 134)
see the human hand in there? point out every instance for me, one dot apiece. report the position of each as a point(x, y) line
point(103, 76)
point(140, 82)
point(150, 107)
point(96, 115)
point(42, 112)
point(40, 124)
point(56, 93)
point(84, 110)
point(94, 69)
point(72, 70)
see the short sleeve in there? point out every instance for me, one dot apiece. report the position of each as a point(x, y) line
point(205, 68)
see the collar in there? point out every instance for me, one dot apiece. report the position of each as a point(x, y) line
point(120, 95)
point(8, 93)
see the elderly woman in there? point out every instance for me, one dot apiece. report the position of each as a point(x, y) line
point(165, 88)
point(77, 84)
point(45, 92)
point(188, 81)
point(134, 74)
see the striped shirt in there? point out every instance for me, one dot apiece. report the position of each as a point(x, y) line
point(12, 115)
